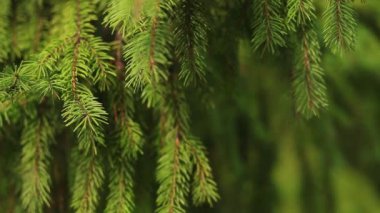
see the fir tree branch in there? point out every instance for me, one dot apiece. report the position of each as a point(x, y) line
point(190, 40)
point(88, 180)
point(147, 54)
point(104, 71)
point(308, 83)
point(174, 164)
point(124, 153)
point(36, 138)
point(173, 175)
point(309, 88)
point(204, 187)
point(121, 197)
point(339, 28)
point(268, 26)
point(300, 12)
point(124, 16)
point(88, 116)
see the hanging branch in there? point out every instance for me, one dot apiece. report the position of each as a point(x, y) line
point(35, 140)
point(88, 179)
point(147, 56)
point(308, 83)
point(268, 26)
point(339, 28)
point(190, 40)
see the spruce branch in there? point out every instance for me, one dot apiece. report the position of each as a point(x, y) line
point(174, 164)
point(204, 188)
point(124, 153)
point(178, 155)
point(127, 145)
point(121, 196)
point(89, 178)
point(15, 82)
point(339, 28)
point(125, 16)
point(104, 74)
point(173, 175)
point(300, 12)
point(268, 26)
point(190, 40)
point(88, 117)
point(308, 84)
point(147, 56)
point(36, 139)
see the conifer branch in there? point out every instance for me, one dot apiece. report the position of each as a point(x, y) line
point(36, 138)
point(127, 146)
point(204, 187)
point(309, 88)
point(121, 196)
point(125, 152)
point(268, 26)
point(190, 40)
point(308, 83)
point(104, 71)
point(88, 116)
point(174, 164)
point(88, 180)
point(147, 54)
point(300, 12)
point(173, 175)
point(124, 16)
point(179, 153)
point(339, 28)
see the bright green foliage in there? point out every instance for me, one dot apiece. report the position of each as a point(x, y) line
point(116, 76)
point(309, 86)
point(147, 55)
point(178, 155)
point(13, 82)
point(174, 164)
point(300, 12)
point(125, 15)
point(35, 159)
point(88, 179)
point(88, 116)
point(123, 155)
point(308, 83)
point(126, 150)
point(204, 186)
point(339, 28)
point(121, 196)
point(268, 25)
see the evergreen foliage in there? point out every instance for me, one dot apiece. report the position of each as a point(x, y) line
point(35, 140)
point(339, 28)
point(268, 25)
point(67, 66)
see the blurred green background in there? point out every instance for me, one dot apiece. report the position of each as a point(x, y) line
point(266, 158)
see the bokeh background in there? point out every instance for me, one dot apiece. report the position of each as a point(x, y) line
point(266, 158)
